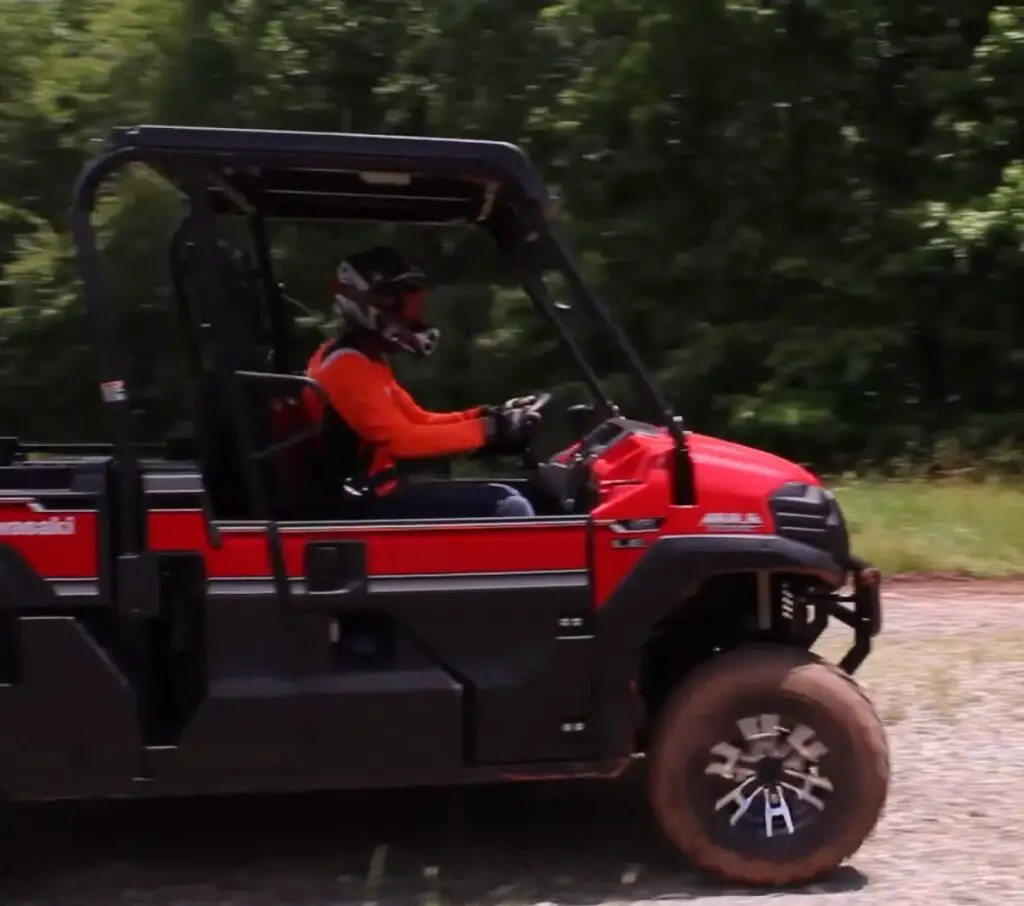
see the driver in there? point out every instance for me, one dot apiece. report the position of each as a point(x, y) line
point(378, 300)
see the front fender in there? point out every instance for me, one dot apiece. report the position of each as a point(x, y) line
point(673, 571)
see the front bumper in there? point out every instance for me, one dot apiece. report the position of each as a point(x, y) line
point(860, 609)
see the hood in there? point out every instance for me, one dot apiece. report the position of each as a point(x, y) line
point(720, 462)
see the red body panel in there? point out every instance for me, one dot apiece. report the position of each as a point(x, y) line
point(57, 544)
point(391, 551)
point(729, 476)
point(634, 481)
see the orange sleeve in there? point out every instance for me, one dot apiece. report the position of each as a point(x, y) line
point(359, 391)
point(414, 413)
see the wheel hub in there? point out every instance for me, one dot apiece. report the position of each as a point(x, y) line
point(770, 776)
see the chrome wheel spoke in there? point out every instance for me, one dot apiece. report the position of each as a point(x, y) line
point(775, 807)
point(809, 783)
point(738, 797)
point(774, 763)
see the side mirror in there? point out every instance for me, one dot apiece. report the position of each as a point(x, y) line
point(582, 419)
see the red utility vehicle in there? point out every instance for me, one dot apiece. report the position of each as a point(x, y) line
point(181, 621)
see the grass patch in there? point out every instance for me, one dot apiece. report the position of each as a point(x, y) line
point(971, 528)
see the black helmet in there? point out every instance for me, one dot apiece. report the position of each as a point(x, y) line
point(381, 291)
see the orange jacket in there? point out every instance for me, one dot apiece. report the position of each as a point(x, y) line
point(369, 399)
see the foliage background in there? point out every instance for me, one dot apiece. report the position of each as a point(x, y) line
point(808, 215)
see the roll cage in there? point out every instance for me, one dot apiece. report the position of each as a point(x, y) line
point(261, 175)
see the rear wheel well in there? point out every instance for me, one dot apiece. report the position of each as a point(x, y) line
point(726, 612)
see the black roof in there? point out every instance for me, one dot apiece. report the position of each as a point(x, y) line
point(342, 176)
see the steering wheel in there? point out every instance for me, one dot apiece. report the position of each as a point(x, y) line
point(533, 411)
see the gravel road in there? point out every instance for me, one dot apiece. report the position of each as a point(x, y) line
point(949, 678)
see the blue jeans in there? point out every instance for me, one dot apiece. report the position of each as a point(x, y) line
point(451, 500)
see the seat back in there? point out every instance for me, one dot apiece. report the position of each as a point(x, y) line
point(339, 471)
point(340, 448)
point(270, 410)
point(288, 474)
point(308, 479)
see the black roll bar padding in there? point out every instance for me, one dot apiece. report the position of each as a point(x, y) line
point(193, 346)
point(248, 208)
point(216, 280)
point(179, 241)
point(280, 332)
point(109, 359)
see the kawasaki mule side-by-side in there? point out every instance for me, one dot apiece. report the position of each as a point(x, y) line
point(185, 620)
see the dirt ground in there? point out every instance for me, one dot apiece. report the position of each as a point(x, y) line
point(948, 675)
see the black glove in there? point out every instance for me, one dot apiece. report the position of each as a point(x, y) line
point(508, 431)
point(517, 402)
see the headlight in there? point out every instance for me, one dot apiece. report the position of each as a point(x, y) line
point(808, 513)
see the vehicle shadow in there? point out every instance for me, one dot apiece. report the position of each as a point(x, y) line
point(575, 844)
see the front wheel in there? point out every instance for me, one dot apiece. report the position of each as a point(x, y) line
point(768, 766)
